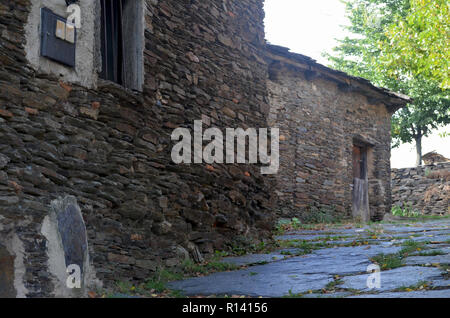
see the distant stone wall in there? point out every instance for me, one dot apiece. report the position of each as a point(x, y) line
point(426, 188)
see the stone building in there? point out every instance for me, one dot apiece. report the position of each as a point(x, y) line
point(86, 117)
point(335, 138)
point(433, 157)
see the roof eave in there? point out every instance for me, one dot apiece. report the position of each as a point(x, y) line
point(393, 101)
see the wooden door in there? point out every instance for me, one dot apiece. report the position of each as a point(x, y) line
point(360, 201)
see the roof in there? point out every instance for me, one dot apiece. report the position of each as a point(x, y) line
point(346, 82)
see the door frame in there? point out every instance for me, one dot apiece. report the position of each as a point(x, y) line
point(360, 188)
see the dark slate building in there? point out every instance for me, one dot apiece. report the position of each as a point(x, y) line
point(89, 97)
point(335, 145)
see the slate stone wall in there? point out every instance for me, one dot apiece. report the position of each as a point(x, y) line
point(425, 189)
point(318, 126)
point(110, 148)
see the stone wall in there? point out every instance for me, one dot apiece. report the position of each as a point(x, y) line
point(109, 148)
point(426, 189)
point(319, 122)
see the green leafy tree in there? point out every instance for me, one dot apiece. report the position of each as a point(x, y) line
point(393, 44)
point(419, 43)
point(431, 108)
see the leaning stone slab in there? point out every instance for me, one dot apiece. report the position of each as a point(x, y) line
point(67, 248)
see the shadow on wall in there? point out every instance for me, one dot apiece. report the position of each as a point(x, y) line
point(7, 289)
point(12, 269)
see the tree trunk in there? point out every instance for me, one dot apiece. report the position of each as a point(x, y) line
point(419, 149)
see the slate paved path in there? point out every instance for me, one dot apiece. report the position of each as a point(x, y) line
point(338, 268)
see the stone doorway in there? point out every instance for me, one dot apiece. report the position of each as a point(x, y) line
point(360, 195)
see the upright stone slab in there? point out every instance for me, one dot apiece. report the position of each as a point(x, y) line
point(67, 245)
point(72, 230)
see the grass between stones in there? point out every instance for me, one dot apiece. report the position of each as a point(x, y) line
point(333, 286)
point(330, 288)
point(406, 221)
point(430, 253)
point(422, 285)
point(445, 270)
point(156, 286)
point(412, 246)
point(314, 220)
point(307, 247)
point(292, 295)
point(303, 247)
point(429, 217)
point(391, 261)
point(243, 247)
point(388, 261)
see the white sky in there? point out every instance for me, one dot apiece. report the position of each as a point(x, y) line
point(405, 156)
point(310, 27)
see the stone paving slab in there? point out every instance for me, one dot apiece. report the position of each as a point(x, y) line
point(438, 238)
point(423, 260)
point(330, 295)
point(364, 251)
point(441, 236)
point(395, 278)
point(271, 280)
point(437, 247)
point(298, 274)
point(331, 231)
point(411, 229)
point(409, 234)
point(413, 294)
point(302, 237)
point(445, 283)
point(311, 273)
point(253, 259)
point(319, 264)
